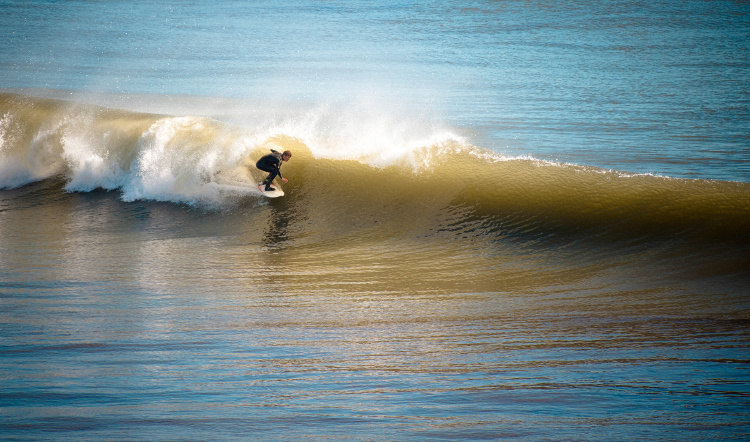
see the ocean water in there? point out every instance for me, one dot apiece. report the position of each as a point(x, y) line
point(503, 221)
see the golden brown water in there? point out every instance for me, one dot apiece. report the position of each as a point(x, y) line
point(449, 294)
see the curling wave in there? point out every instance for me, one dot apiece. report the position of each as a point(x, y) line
point(429, 184)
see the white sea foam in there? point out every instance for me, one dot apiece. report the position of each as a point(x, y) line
point(88, 167)
point(37, 161)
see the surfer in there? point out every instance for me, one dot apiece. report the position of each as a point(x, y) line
point(271, 163)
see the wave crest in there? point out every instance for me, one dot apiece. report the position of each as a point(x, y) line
point(347, 177)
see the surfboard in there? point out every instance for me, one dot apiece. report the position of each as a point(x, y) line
point(274, 193)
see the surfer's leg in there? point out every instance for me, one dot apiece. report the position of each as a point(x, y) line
point(272, 174)
point(269, 179)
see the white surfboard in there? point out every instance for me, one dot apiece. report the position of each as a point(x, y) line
point(274, 193)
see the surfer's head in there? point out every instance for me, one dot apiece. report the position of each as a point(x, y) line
point(286, 155)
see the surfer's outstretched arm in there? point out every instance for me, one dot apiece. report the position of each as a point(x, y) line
point(286, 156)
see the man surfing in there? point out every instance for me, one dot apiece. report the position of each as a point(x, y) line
point(271, 163)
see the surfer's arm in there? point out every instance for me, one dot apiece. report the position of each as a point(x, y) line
point(278, 171)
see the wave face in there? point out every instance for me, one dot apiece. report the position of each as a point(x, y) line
point(356, 174)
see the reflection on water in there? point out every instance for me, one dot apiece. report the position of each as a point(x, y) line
point(153, 321)
point(280, 218)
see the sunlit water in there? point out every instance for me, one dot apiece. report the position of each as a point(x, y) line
point(503, 221)
point(657, 88)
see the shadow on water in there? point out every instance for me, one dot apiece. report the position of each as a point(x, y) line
point(32, 195)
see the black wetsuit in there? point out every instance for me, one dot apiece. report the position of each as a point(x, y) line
point(270, 163)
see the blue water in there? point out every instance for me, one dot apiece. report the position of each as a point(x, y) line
point(477, 295)
point(655, 88)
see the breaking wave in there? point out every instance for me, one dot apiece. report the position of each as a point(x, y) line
point(353, 172)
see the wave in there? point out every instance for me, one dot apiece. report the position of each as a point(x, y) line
point(354, 173)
